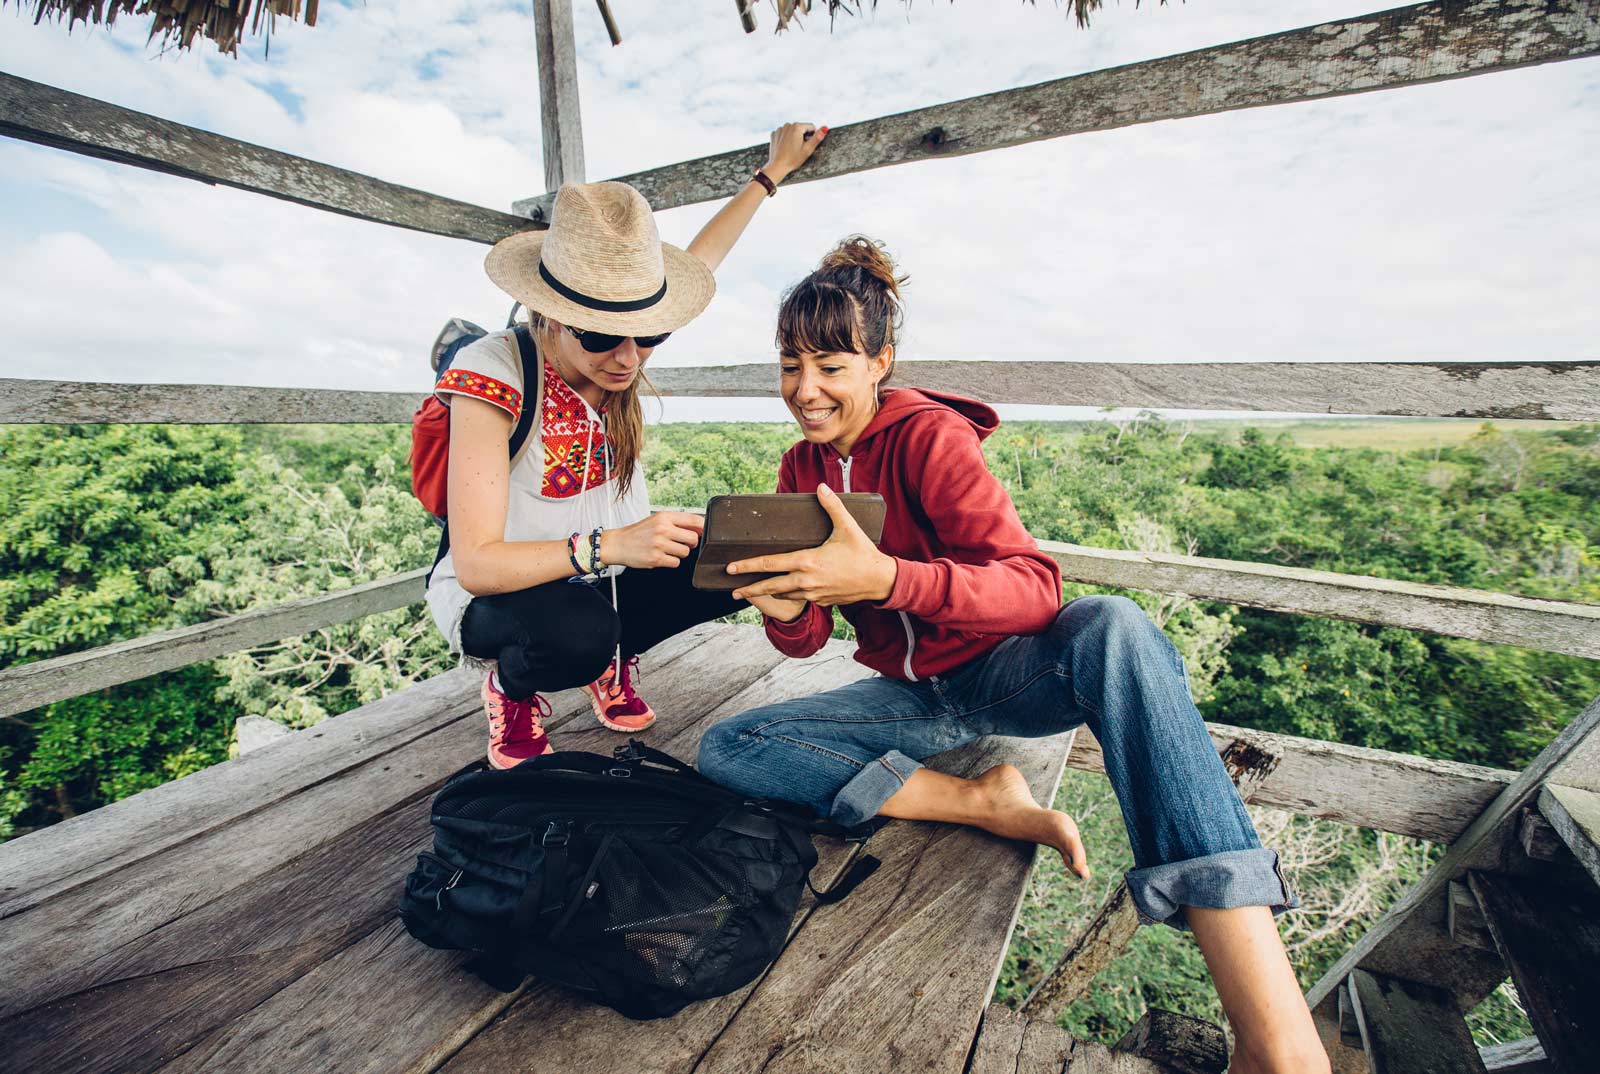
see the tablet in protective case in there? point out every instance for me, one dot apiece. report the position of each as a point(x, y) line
point(739, 527)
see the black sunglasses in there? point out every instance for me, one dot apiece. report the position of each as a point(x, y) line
point(600, 342)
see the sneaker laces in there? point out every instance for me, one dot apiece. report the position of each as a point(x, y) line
point(617, 685)
point(519, 721)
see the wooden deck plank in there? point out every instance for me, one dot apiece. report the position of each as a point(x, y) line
point(389, 1003)
point(45, 863)
point(567, 1035)
point(53, 948)
point(901, 981)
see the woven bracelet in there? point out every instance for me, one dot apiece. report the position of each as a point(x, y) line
point(596, 564)
point(572, 554)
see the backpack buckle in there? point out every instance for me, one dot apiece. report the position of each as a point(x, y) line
point(628, 752)
point(620, 773)
point(557, 834)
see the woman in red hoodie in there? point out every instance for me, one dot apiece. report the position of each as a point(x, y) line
point(960, 615)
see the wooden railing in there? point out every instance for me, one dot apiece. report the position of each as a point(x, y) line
point(1402, 986)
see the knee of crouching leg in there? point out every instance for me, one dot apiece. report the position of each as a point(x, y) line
point(715, 746)
point(587, 642)
point(1115, 617)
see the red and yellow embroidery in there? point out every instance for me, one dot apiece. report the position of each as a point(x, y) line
point(485, 388)
point(568, 431)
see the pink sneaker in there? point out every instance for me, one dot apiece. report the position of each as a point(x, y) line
point(615, 703)
point(516, 728)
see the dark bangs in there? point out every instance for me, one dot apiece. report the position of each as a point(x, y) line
point(817, 317)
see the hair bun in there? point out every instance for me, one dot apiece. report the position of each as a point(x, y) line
point(870, 257)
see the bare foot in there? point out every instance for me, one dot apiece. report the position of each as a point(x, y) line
point(1012, 813)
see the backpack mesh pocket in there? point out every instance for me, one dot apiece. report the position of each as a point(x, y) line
point(671, 917)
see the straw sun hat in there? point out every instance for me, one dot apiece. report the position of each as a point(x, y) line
point(602, 266)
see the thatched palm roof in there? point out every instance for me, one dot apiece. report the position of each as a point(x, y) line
point(177, 22)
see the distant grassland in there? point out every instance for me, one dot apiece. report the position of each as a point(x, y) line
point(1384, 434)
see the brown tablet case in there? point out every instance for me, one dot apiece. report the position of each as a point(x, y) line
point(739, 527)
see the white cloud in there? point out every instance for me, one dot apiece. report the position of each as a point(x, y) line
point(1452, 221)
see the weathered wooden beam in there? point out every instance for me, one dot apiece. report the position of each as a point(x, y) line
point(1401, 47)
point(1091, 950)
point(1548, 625)
point(1388, 792)
point(1409, 1028)
point(48, 116)
point(1412, 941)
point(1555, 390)
point(30, 685)
point(1524, 1056)
point(1549, 936)
point(1176, 1042)
point(1464, 919)
point(560, 121)
point(1565, 391)
point(68, 402)
point(1538, 839)
point(1575, 816)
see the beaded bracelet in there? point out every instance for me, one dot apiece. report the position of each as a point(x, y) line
point(596, 564)
point(572, 554)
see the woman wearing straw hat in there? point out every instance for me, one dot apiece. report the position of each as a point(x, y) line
point(960, 614)
point(602, 291)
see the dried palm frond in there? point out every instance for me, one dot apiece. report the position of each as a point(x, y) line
point(177, 22)
point(787, 9)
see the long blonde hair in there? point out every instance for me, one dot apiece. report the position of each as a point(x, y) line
point(624, 411)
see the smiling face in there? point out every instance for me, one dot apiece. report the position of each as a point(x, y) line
point(833, 396)
point(593, 375)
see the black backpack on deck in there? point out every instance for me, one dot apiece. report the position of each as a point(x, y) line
point(633, 879)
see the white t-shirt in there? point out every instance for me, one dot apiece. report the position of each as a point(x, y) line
point(558, 487)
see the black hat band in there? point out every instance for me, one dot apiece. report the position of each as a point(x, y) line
point(590, 302)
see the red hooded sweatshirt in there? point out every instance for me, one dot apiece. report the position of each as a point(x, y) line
point(968, 574)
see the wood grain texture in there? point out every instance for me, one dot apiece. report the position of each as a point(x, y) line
point(1549, 936)
point(389, 1003)
point(1559, 390)
point(28, 686)
point(60, 945)
point(1388, 792)
point(1401, 47)
point(900, 981)
point(1464, 918)
point(1412, 941)
point(45, 863)
point(1094, 947)
point(560, 122)
point(1567, 391)
point(1409, 1028)
point(1575, 816)
point(1548, 625)
point(38, 113)
point(1178, 1042)
point(1524, 1056)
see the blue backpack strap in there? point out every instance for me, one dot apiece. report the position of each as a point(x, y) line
point(532, 373)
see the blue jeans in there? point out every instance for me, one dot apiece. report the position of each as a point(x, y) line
point(1103, 663)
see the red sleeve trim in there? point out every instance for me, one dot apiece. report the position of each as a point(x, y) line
point(465, 382)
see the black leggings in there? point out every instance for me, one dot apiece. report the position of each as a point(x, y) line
point(562, 634)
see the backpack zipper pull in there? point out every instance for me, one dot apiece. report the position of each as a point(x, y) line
point(438, 900)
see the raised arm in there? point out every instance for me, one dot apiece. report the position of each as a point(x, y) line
point(792, 146)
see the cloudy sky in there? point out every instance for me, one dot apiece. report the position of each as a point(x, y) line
point(1458, 221)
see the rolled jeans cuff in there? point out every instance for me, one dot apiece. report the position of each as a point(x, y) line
point(861, 799)
point(1221, 881)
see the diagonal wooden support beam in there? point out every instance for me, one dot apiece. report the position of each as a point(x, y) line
point(1575, 816)
point(1412, 941)
point(38, 113)
point(1401, 47)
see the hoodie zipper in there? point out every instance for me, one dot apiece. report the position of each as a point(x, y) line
point(905, 620)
